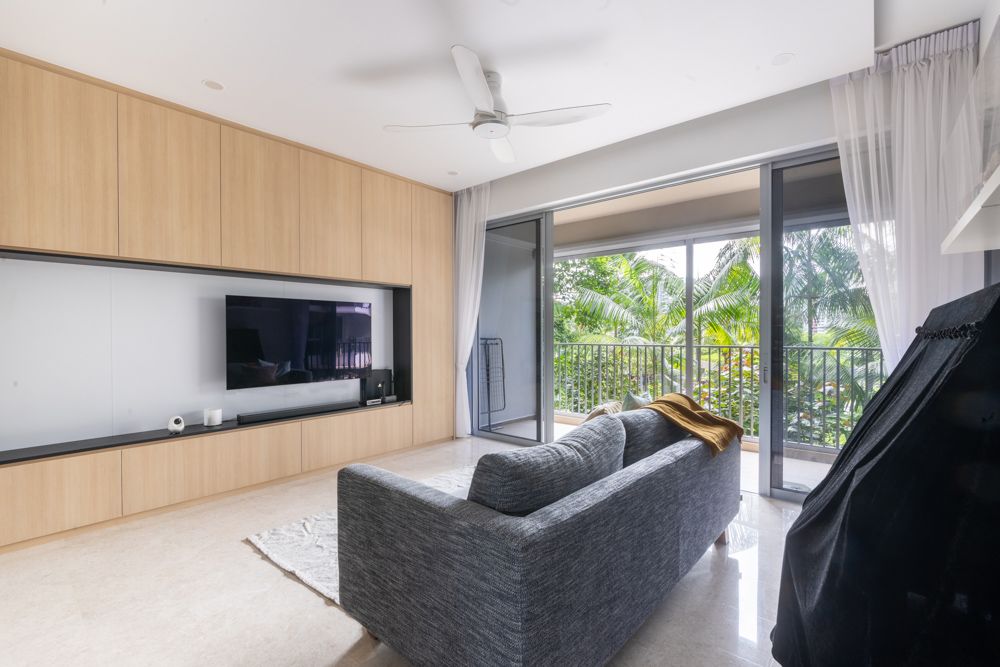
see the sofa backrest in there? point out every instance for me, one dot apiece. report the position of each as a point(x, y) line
point(520, 481)
point(647, 432)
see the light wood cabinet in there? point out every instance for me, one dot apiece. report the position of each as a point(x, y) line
point(58, 167)
point(386, 213)
point(169, 472)
point(43, 497)
point(329, 441)
point(433, 316)
point(260, 203)
point(169, 184)
point(330, 217)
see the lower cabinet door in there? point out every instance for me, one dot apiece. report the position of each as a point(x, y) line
point(330, 441)
point(44, 497)
point(169, 472)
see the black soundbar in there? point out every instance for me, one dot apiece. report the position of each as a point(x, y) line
point(289, 413)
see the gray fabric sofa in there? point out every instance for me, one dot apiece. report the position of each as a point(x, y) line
point(447, 581)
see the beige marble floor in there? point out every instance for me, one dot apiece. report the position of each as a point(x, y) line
point(807, 473)
point(182, 588)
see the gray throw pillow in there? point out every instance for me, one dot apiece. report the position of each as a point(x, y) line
point(520, 481)
point(635, 401)
point(609, 408)
point(647, 432)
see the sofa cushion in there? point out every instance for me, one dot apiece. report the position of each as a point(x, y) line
point(520, 481)
point(647, 432)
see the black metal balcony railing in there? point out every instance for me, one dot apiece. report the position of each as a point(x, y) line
point(825, 387)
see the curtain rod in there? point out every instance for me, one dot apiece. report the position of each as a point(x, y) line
point(886, 49)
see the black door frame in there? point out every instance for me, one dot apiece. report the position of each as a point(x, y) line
point(772, 288)
point(544, 392)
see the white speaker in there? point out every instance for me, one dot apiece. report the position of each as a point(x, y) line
point(176, 424)
point(212, 416)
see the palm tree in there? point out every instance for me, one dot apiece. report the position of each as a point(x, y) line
point(643, 304)
point(726, 299)
point(823, 285)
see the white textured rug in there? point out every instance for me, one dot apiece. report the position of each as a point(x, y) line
point(308, 548)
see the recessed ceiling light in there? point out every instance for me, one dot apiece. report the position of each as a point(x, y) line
point(214, 85)
point(453, 173)
point(782, 59)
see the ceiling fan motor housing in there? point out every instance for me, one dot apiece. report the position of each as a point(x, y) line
point(490, 126)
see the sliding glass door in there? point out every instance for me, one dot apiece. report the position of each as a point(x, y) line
point(821, 360)
point(512, 369)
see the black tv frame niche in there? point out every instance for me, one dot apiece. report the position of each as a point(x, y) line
point(402, 356)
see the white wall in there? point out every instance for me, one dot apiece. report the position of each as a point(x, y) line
point(90, 351)
point(795, 120)
point(991, 13)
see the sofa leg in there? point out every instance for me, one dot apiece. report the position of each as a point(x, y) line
point(371, 635)
point(723, 538)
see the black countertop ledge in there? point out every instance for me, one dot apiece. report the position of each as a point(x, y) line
point(125, 439)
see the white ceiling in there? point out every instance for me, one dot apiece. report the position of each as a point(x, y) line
point(331, 73)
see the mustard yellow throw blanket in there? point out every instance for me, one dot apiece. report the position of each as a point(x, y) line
point(717, 431)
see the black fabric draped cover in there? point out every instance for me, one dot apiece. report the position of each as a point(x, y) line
point(895, 558)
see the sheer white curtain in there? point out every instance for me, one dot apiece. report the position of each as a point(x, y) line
point(471, 207)
point(893, 122)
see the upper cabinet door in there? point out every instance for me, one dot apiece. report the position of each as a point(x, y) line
point(433, 316)
point(330, 217)
point(58, 172)
point(260, 203)
point(386, 228)
point(169, 184)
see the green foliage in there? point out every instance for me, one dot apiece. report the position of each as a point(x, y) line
point(727, 298)
point(825, 291)
point(623, 298)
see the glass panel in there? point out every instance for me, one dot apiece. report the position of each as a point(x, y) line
point(619, 326)
point(726, 337)
point(508, 350)
point(831, 363)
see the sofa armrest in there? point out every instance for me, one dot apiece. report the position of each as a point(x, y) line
point(435, 576)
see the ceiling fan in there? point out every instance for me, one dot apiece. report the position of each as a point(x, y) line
point(491, 120)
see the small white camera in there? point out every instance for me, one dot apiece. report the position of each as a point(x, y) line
point(176, 424)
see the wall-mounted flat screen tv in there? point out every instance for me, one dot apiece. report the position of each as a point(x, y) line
point(273, 342)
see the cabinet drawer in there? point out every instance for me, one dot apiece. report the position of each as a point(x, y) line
point(58, 166)
point(169, 184)
point(45, 497)
point(386, 228)
point(260, 203)
point(169, 472)
point(330, 441)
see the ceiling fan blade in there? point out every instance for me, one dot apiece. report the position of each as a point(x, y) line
point(502, 149)
point(563, 116)
point(470, 70)
point(420, 128)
